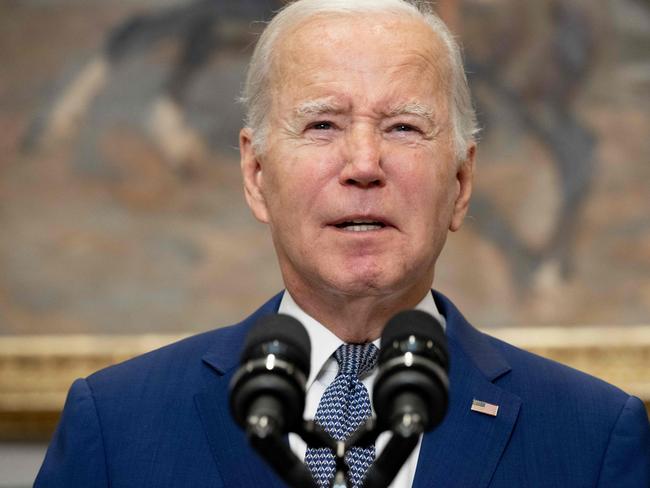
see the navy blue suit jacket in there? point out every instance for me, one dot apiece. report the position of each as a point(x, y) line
point(162, 420)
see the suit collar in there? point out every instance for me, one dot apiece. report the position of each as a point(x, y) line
point(223, 355)
point(476, 345)
point(465, 449)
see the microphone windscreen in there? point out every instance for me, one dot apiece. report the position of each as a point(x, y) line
point(282, 335)
point(416, 323)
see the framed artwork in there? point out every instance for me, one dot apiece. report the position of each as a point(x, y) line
point(123, 224)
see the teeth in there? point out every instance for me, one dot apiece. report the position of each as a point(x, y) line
point(362, 227)
point(359, 225)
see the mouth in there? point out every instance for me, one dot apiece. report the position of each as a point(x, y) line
point(361, 225)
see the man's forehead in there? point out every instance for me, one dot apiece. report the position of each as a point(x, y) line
point(317, 62)
point(338, 34)
point(380, 22)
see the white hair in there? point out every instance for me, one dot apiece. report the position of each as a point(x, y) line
point(256, 93)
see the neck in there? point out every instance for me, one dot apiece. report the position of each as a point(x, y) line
point(356, 319)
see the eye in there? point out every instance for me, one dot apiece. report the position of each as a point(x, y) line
point(321, 125)
point(404, 128)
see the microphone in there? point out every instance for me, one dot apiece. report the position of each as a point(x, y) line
point(412, 382)
point(267, 393)
point(410, 393)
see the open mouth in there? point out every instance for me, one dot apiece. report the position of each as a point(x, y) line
point(360, 225)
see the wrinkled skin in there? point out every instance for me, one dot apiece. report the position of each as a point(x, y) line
point(359, 130)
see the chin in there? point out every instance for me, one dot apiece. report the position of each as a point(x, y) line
point(366, 284)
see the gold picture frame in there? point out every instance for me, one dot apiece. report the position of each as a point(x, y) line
point(36, 371)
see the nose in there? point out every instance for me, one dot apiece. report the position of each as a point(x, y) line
point(363, 164)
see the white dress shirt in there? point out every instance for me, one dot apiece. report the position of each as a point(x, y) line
point(324, 368)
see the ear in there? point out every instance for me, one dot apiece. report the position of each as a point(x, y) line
point(251, 168)
point(464, 177)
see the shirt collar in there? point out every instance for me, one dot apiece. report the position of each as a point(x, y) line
point(324, 342)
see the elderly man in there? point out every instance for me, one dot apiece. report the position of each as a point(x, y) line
point(358, 153)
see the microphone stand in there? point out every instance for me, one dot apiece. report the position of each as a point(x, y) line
point(406, 433)
point(406, 430)
point(266, 437)
point(315, 436)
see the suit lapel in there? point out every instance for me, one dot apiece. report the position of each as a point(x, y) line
point(238, 464)
point(465, 449)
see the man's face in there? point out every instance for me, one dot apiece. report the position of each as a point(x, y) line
point(358, 179)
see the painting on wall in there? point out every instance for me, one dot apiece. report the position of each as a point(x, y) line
point(121, 209)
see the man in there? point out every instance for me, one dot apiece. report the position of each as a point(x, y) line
point(358, 153)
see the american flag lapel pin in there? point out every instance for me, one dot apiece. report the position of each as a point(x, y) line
point(484, 407)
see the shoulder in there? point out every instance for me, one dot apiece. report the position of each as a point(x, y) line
point(573, 415)
point(182, 362)
point(561, 398)
point(557, 401)
point(527, 374)
point(538, 372)
point(175, 362)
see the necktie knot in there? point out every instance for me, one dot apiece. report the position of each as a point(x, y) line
point(356, 359)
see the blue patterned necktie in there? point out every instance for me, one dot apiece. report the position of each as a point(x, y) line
point(345, 404)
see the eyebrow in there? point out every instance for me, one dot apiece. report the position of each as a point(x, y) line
point(319, 106)
point(412, 108)
point(330, 105)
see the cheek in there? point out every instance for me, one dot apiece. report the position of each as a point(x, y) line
point(424, 184)
point(295, 183)
point(428, 190)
